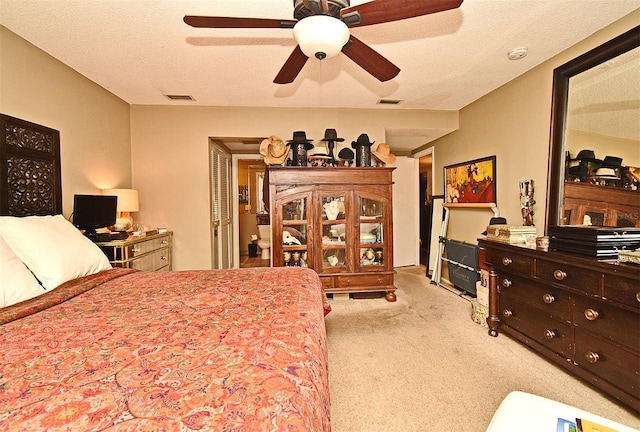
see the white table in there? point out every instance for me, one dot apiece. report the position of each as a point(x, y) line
point(524, 412)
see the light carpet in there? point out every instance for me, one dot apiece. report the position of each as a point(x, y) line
point(421, 364)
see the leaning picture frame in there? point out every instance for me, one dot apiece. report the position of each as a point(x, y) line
point(472, 182)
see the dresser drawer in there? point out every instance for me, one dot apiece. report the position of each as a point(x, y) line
point(623, 290)
point(153, 261)
point(550, 301)
point(150, 254)
point(607, 321)
point(615, 365)
point(365, 280)
point(162, 259)
point(146, 246)
point(509, 261)
point(574, 277)
point(553, 334)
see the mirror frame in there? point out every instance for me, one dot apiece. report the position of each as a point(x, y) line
point(560, 95)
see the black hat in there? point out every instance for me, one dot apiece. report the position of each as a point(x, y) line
point(346, 153)
point(496, 221)
point(363, 140)
point(300, 137)
point(611, 162)
point(331, 135)
point(586, 155)
point(579, 170)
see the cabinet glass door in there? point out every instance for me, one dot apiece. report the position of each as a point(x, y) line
point(334, 233)
point(295, 233)
point(371, 233)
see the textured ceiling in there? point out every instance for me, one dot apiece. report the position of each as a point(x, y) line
point(141, 50)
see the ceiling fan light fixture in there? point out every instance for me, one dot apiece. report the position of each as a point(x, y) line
point(321, 36)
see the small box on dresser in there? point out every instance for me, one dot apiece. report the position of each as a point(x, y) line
point(512, 234)
point(148, 252)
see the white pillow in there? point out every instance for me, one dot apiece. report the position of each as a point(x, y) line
point(16, 281)
point(53, 249)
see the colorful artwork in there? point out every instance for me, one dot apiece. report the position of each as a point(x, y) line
point(471, 182)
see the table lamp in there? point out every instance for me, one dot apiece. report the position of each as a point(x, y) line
point(127, 203)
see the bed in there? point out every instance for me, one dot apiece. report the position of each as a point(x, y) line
point(90, 347)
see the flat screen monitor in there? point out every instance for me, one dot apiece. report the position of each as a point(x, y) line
point(94, 211)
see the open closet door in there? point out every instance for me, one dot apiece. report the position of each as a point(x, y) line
point(221, 217)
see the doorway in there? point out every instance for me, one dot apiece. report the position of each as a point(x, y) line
point(426, 183)
point(250, 179)
point(425, 170)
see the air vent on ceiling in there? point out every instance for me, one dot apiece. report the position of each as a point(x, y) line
point(180, 97)
point(389, 102)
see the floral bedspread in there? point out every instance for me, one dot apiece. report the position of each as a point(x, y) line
point(222, 350)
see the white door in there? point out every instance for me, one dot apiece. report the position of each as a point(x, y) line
point(221, 217)
point(406, 212)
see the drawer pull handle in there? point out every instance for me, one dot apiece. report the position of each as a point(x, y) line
point(507, 313)
point(548, 298)
point(591, 314)
point(506, 283)
point(163, 258)
point(506, 261)
point(549, 334)
point(559, 275)
point(592, 357)
point(163, 242)
point(638, 296)
point(135, 250)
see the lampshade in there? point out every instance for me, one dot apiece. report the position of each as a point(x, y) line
point(321, 36)
point(127, 199)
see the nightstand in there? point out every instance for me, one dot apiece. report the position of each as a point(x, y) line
point(151, 252)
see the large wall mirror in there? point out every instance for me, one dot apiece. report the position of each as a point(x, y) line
point(594, 164)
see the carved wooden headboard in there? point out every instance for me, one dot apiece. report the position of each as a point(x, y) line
point(30, 181)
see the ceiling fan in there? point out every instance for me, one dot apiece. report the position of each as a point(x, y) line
point(321, 29)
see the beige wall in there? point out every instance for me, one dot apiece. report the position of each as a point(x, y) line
point(171, 167)
point(95, 143)
point(513, 123)
point(163, 151)
point(603, 146)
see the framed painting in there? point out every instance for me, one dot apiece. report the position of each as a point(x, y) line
point(472, 182)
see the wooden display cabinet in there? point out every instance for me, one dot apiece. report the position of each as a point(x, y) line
point(337, 221)
point(606, 206)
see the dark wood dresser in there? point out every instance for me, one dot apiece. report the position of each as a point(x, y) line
point(580, 313)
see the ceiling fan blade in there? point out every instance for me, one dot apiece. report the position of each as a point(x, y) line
point(370, 60)
point(382, 11)
point(291, 67)
point(228, 22)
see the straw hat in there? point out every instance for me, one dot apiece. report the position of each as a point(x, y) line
point(606, 173)
point(274, 150)
point(383, 152)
